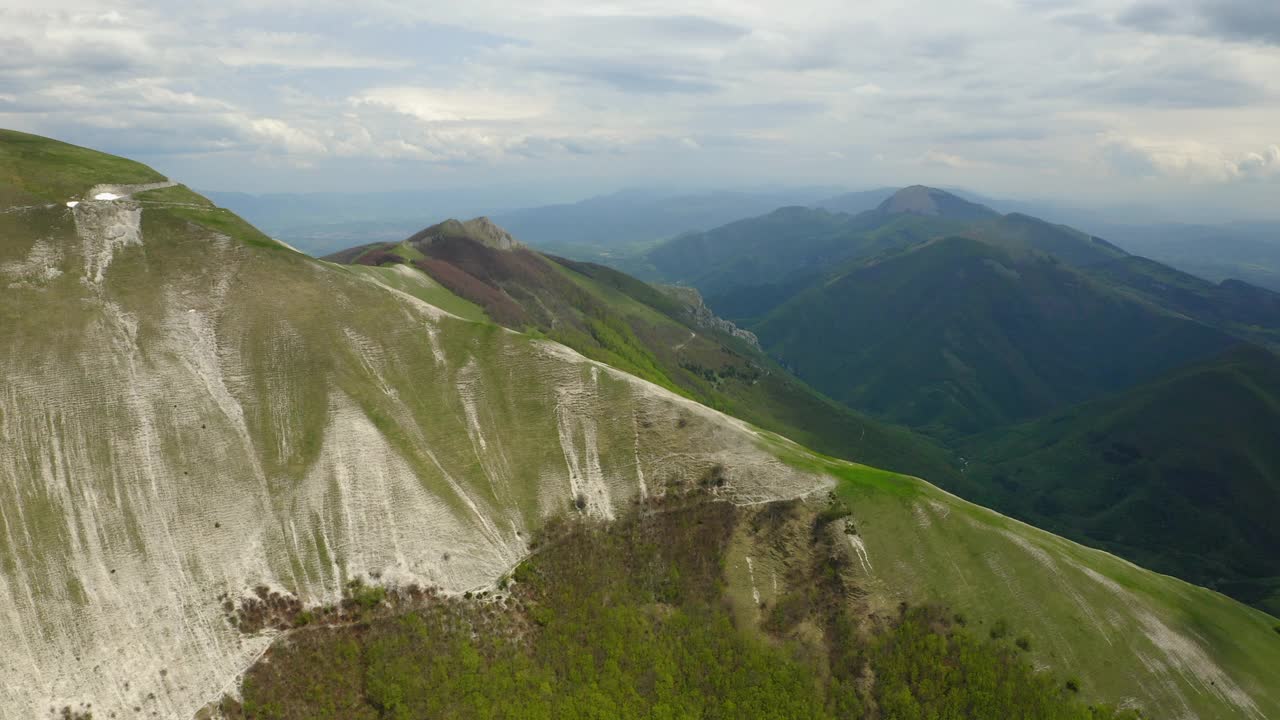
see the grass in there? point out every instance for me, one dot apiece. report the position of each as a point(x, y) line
point(57, 171)
point(180, 194)
point(1090, 613)
point(229, 224)
point(421, 286)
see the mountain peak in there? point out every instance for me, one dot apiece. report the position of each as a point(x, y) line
point(923, 200)
point(481, 230)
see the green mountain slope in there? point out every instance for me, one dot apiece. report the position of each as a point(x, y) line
point(867, 594)
point(204, 434)
point(606, 621)
point(1244, 310)
point(190, 411)
point(614, 318)
point(956, 335)
point(749, 267)
point(1190, 493)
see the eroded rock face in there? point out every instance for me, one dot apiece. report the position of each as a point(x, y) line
point(184, 419)
point(703, 317)
point(489, 233)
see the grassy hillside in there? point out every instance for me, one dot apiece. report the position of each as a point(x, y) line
point(1133, 638)
point(887, 598)
point(631, 620)
point(956, 335)
point(191, 411)
point(32, 169)
point(1190, 493)
point(614, 318)
point(207, 439)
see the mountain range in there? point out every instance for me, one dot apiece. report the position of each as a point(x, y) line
point(957, 321)
point(451, 476)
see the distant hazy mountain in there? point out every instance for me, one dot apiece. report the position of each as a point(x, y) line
point(1248, 251)
point(857, 202)
point(638, 216)
point(323, 223)
point(1245, 251)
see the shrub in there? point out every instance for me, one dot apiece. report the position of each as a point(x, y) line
point(379, 257)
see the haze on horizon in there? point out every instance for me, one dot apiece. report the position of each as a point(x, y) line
point(1093, 102)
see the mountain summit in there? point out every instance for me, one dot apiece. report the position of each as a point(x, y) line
point(481, 230)
point(921, 200)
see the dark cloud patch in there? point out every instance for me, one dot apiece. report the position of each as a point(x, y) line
point(670, 27)
point(1238, 20)
point(1200, 84)
point(1245, 19)
point(1156, 17)
point(943, 47)
point(642, 78)
point(997, 134)
point(779, 110)
point(1088, 22)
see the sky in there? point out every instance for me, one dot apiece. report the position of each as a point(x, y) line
point(1173, 103)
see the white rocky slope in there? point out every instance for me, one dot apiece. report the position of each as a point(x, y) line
point(184, 415)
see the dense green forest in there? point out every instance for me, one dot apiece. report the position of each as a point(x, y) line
point(631, 620)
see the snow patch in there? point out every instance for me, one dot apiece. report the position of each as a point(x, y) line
point(107, 196)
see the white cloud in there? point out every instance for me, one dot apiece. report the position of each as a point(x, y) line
point(1000, 96)
point(432, 105)
point(274, 131)
point(299, 51)
point(1190, 160)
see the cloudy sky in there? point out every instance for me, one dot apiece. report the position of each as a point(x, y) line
point(1173, 102)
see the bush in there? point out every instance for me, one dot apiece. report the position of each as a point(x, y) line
point(629, 621)
point(365, 597)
